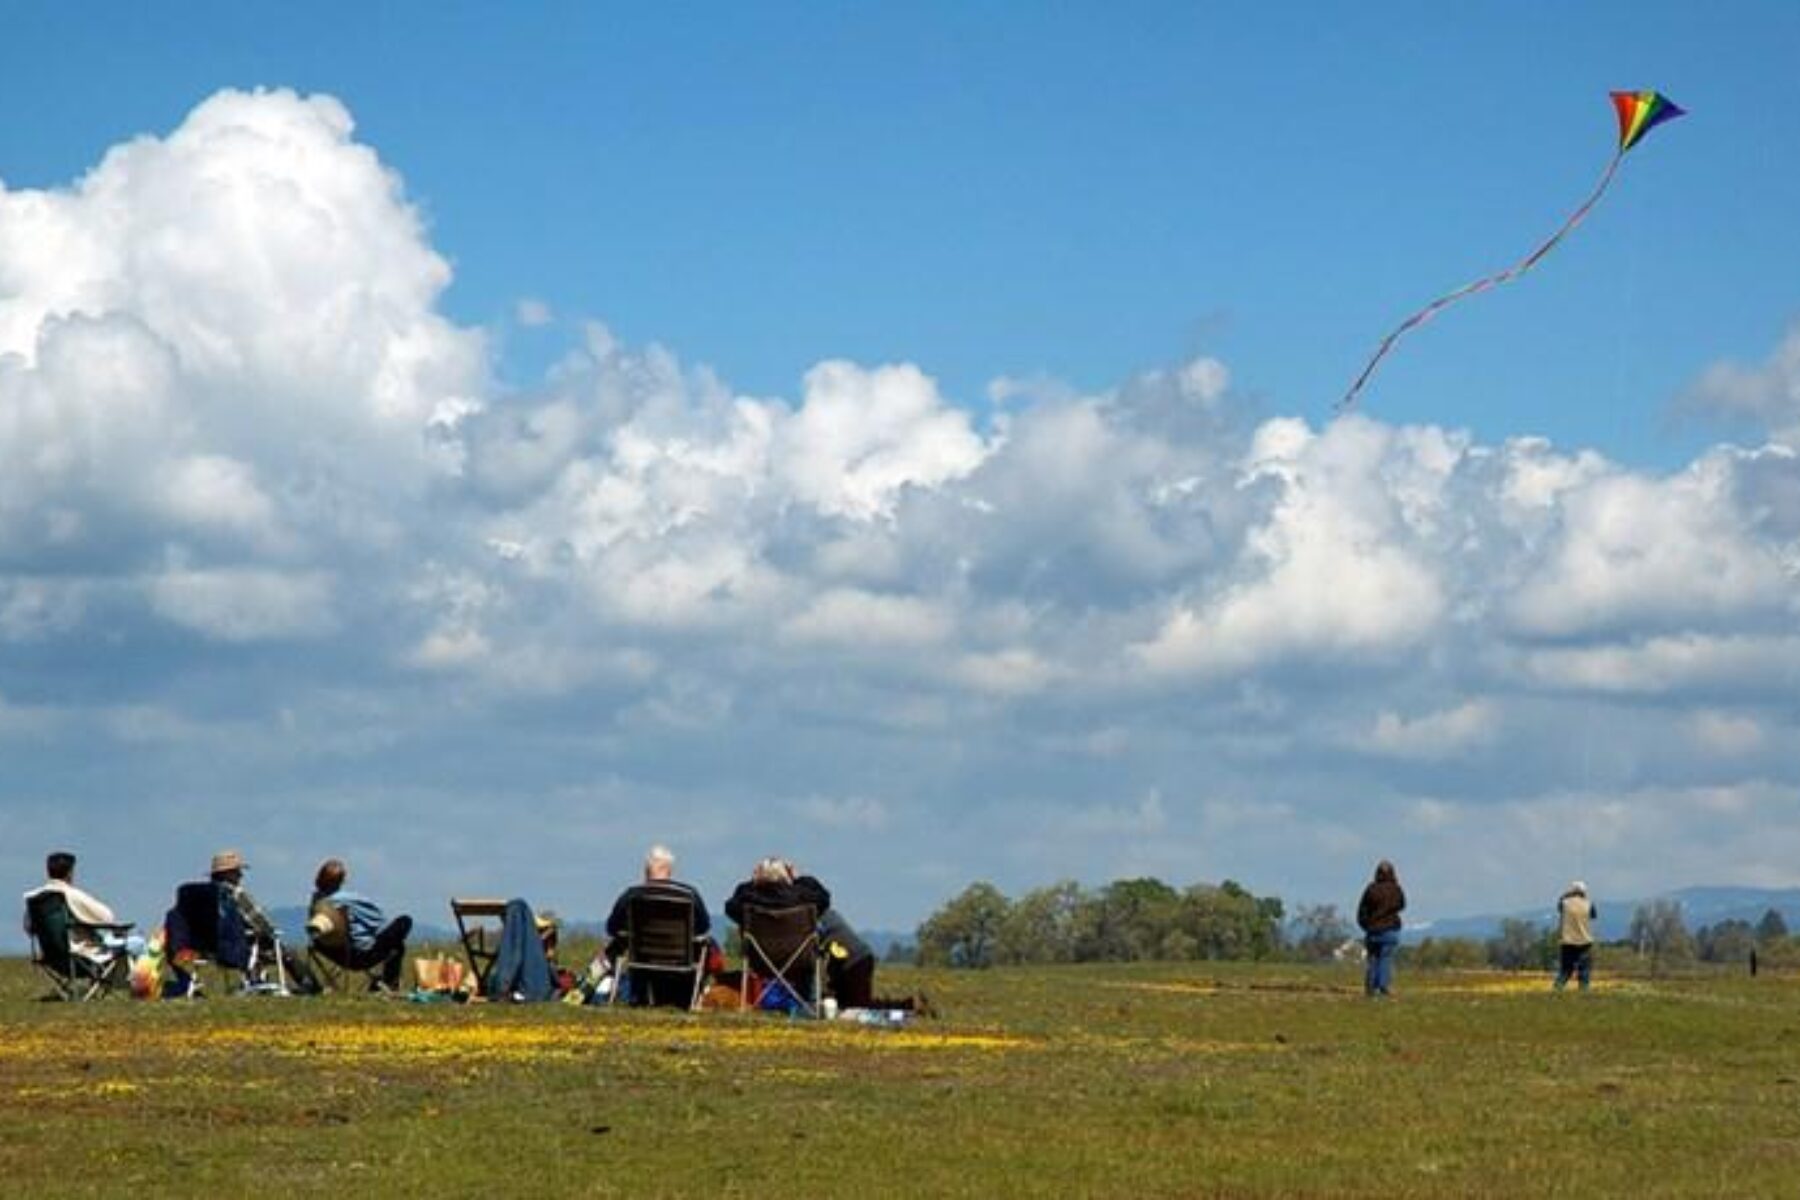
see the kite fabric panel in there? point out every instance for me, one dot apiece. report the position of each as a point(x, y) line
point(1639, 113)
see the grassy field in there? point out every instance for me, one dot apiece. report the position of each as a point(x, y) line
point(1200, 1079)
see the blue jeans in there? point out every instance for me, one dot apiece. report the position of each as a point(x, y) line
point(1380, 974)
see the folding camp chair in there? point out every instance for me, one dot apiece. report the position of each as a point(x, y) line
point(212, 934)
point(660, 942)
point(54, 931)
point(781, 946)
point(480, 941)
point(328, 949)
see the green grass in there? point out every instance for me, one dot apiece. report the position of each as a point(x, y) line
point(1155, 1080)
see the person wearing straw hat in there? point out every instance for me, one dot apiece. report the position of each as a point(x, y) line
point(228, 867)
point(1575, 915)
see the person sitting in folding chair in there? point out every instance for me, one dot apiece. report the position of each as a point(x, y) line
point(76, 940)
point(849, 962)
point(228, 867)
point(370, 943)
point(218, 920)
point(660, 986)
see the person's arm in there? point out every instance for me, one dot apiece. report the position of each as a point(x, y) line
point(254, 917)
point(734, 903)
point(1400, 894)
point(814, 892)
point(86, 909)
point(702, 921)
point(1363, 908)
point(617, 920)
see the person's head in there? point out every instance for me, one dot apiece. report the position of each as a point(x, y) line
point(1578, 888)
point(659, 863)
point(228, 866)
point(330, 878)
point(1384, 872)
point(772, 870)
point(60, 865)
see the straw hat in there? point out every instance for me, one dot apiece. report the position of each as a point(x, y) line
point(228, 860)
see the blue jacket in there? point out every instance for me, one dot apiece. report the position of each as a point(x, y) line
point(522, 967)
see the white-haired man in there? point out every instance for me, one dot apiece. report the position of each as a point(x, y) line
point(659, 880)
point(1575, 915)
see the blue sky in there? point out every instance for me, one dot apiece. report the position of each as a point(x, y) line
point(1006, 191)
point(956, 458)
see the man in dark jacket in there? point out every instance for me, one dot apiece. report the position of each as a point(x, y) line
point(849, 961)
point(659, 880)
point(1379, 915)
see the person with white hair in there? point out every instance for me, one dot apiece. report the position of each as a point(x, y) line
point(775, 883)
point(659, 880)
point(1575, 915)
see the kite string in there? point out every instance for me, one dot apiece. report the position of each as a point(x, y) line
point(1480, 285)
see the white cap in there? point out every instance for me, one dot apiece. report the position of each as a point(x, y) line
point(1578, 886)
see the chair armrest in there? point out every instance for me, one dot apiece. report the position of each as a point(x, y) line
point(119, 927)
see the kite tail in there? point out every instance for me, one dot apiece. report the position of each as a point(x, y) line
point(1480, 285)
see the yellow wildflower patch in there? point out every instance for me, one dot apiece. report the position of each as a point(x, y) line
point(498, 1040)
point(66, 1091)
point(1177, 989)
point(1515, 985)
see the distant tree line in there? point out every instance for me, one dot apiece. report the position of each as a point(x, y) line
point(1138, 920)
point(1658, 934)
point(1129, 920)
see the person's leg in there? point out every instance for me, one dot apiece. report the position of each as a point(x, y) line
point(1384, 964)
point(1564, 967)
point(1371, 964)
point(854, 982)
point(389, 951)
point(299, 973)
point(1585, 967)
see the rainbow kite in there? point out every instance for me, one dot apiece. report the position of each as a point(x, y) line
point(1639, 113)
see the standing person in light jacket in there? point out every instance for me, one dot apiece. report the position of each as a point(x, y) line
point(1575, 914)
point(1379, 916)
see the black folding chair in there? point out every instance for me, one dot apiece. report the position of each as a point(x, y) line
point(54, 936)
point(203, 908)
point(781, 946)
point(660, 944)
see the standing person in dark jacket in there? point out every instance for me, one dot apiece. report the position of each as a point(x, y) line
point(1379, 915)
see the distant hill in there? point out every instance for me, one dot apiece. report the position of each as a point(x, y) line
point(291, 920)
point(1699, 906)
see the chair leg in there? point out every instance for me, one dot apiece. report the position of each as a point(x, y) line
point(619, 969)
point(61, 987)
